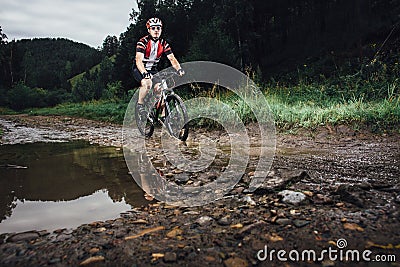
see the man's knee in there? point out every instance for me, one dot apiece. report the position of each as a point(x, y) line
point(146, 83)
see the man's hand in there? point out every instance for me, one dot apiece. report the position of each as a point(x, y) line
point(147, 75)
point(180, 72)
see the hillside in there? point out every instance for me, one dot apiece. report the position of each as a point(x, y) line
point(47, 63)
point(92, 70)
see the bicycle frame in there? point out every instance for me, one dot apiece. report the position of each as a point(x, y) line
point(160, 102)
point(165, 102)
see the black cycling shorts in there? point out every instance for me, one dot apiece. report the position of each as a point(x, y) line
point(139, 77)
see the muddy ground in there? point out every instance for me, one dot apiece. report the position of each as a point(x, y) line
point(345, 189)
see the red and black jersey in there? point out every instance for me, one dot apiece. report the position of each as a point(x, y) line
point(152, 50)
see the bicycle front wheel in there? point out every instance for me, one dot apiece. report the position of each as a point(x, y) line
point(176, 117)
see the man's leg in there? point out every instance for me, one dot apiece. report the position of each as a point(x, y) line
point(157, 89)
point(144, 89)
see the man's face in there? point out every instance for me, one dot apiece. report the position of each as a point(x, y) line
point(155, 31)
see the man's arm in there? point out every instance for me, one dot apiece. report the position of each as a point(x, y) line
point(174, 62)
point(139, 62)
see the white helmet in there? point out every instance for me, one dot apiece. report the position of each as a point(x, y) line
point(153, 22)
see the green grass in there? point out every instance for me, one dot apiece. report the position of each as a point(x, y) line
point(7, 111)
point(376, 114)
point(377, 106)
point(93, 69)
point(95, 110)
point(292, 107)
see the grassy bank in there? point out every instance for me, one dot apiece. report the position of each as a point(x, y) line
point(109, 111)
point(289, 109)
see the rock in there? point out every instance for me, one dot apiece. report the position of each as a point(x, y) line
point(94, 250)
point(397, 199)
point(170, 257)
point(292, 197)
point(208, 177)
point(54, 261)
point(226, 220)
point(204, 220)
point(25, 236)
point(248, 228)
point(300, 223)
point(174, 233)
point(328, 263)
point(237, 226)
point(249, 200)
point(280, 181)
point(210, 258)
point(235, 262)
point(169, 175)
point(365, 186)
point(92, 260)
point(321, 199)
point(181, 178)
point(63, 237)
point(353, 226)
point(344, 192)
point(177, 171)
point(283, 221)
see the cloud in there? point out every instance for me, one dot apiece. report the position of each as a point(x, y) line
point(86, 21)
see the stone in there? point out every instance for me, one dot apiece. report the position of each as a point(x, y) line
point(25, 236)
point(281, 180)
point(181, 178)
point(170, 257)
point(300, 223)
point(292, 197)
point(283, 221)
point(226, 220)
point(204, 220)
point(346, 194)
point(249, 201)
point(235, 262)
point(397, 199)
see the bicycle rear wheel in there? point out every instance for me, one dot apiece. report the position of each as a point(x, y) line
point(176, 117)
point(145, 124)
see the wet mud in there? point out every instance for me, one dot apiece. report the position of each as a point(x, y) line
point(332, 190)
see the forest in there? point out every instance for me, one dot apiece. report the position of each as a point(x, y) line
point(320, 52)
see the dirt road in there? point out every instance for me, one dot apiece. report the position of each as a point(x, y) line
point(340, 208)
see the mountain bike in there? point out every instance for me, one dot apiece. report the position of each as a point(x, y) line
point(164, 107)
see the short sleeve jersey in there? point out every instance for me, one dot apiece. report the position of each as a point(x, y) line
point(152, 50)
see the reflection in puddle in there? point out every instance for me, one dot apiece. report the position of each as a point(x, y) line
point(51, 215)
point(46, 186)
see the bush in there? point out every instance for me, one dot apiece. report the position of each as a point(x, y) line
point(22, 96)
point(113, 91)
point(57, 97)
point(84, 90)
point(3, 97)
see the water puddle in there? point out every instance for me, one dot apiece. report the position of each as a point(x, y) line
point(47, 186)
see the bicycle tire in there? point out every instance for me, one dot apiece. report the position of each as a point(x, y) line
point(146, 127)
point(176, 117)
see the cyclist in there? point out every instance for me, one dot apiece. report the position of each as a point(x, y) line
point(149, 50)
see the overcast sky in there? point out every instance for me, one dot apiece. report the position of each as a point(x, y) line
point(85, 21)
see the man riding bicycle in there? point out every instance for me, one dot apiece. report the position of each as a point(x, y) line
point(149, 50)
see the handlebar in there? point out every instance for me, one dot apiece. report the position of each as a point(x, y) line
point(165, 75)
point(166, 78)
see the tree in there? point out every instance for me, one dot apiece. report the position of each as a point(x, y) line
point(213, 44)
point(3, 57)
point(110, 46)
